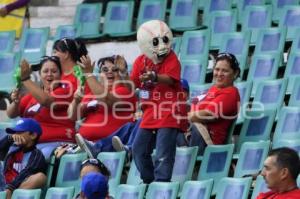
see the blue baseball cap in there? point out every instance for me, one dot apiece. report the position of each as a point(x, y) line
point(25, 124)
point(94, 185)
point(185, 85)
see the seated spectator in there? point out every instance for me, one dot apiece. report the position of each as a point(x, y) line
point(48, 104)
point(24, 165)
point(5, 10)
point(281, 169)
point(108, 106)
point(212, 113)
point(94, 186)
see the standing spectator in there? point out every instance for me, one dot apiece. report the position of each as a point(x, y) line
point(5, 10)
point(94, 185)
point(281, 169)
point(24, 165)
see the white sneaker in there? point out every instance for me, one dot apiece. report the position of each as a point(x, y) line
point(85, 145)
point(117, 144)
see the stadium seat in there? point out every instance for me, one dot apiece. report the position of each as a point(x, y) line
point(244, 88)
point(278, 7)
point(256, 18)
point(33, 43)
point(133, 177)
point(149, 10)
point(237, 43)
point(126, 191)
point(176, 45)
point(298, 181)
point(215, 163)
point(257, 126)
point(185, 160)
point(166, 190)
point(296, 42)
point(7, 41)
point(60, 193)
point(262, 67)
point(3, 194)
point(290, 20)
point(221, 22)
point(287, 125)
point(243, 4)
point(290, 143)
point(87, 20)
point(199, 90)
point(295, 94)
point(270, 94)
point(251, 158)
point(197, 189)
point(292, 70)
point(271, 40)
point(260, 186)
point(234, 188)
point(194, 71)
point(118, 19)
point(115, 162)
point(184, 15)
point(26, 194)
point(69, 171)
point(214, 5)
point(195, 44)
point(65, 31)
point(8, 64)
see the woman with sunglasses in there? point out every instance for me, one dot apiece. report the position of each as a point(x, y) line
point(47, 103)
point(108, 106)
point(212, 114)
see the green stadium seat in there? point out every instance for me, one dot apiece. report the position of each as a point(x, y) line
point(26, 194)
point(65, 31)
point(295, 94)
point(197, 189)
point(290, 20)
point(8, 65)
point(3, 194)
point(194, 71)
point(260, 186)
point(278, 6)
point(162, 190)
point(214, 5)
point(115, 162)
point(60, 193)
point(176, 45)
point(234, 188)
point(7, 41)
point(244, 88)
point(126, 191)
point(292, 70)
point(133, 177)
point(243, 4)
point(290, 143)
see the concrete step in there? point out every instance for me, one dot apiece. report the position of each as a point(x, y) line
point(52, 11)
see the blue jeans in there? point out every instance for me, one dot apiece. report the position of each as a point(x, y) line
point(164, 140)
point(2, 179)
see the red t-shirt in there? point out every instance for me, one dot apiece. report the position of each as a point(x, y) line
point(53, 120)
point(224, 103)
point(101, 121)
point(159, 102)
point(70, 81)
point(14, 166)
point(294, 194)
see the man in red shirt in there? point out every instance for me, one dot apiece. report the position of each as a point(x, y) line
point(281, 169)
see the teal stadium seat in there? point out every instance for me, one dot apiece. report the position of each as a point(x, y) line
point(65, 31)
point(150, 10)
point(287, 125)
point(194, 71)
point(184, 15)
point(234, 188)
point(243, 4)
point(3, 194)
point(158, 190)
point(296, 42)
point(255, 18)
point(290, 20)
point(290, 143)
point(114, 161)
point(195, 44)
point(292, 70)
point(87, 20)
point(133, 177)
point(126, 191)
point(7, 41)
point(176, 45)
point(237, 43)
point(257, 126)
point(263, 67)
point(26, 194)
point(295, 94)
point(199, 91)
point(251, 158)
point(215, 163)
point(33, 43)
point(68, 174)
point(214, 5)
point(221, 22)
point(118, 19)
point(260, 186)
point(278, 7)
point(244, 88)
point(197, 189)
point(8, 65)
point(60, 193)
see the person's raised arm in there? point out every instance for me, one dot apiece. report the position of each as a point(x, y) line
point(13, 109)
point(75, 110)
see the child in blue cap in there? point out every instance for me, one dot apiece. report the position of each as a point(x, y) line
point(94, 185)
point(24, 165)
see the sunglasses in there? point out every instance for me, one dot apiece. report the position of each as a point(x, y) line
point(65, 42)
point(93, 161)
point(113, 69)
point(51, 58)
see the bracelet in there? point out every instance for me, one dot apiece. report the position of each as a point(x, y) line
point(25, 79)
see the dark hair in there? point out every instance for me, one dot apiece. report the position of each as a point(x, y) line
point(75, 47)
point(287, 158)
point(54, 59)
point(97, 163)
point(110, 59)
point(231, 59)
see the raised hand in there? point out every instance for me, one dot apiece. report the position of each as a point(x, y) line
point(86, 64)
point(25, 70)
point(120, 62)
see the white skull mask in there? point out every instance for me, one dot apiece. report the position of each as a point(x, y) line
point(155, 39)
